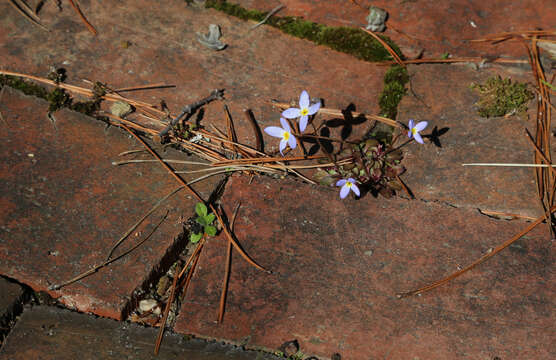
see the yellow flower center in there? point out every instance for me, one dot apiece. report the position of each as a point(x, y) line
point(348, 184)
point(414, 131)
point(286, 135)
point(304, 111)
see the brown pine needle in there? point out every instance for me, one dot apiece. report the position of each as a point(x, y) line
point(145, 87)
point(515, 34)
point(256, 130)
point(83, 18)
point(539, 152)
point(478, 261)
point(265, 160)
point(508, 216)
point(96, 268)
point(172, 295)
point(84, 91)
point(457, 60)
point(338, 113)
point(405, 188)
point(227, 270)
point(134, 226)
point(28, 13)
point(386, 46)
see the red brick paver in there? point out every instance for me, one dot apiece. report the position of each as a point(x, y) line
point(64, 205)
point(338, 264)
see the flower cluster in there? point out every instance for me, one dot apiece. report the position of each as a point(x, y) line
point(373, 163)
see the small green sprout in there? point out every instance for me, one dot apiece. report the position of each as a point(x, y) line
point(205, 220)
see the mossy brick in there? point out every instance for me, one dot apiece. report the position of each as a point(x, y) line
point(338, 264)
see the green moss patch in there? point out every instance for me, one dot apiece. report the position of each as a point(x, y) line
point(395, 80)
point(500, 97)
point(353, 41)
point(57, 98)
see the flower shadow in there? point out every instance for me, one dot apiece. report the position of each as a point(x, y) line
point(347, 122)
point(436, 134)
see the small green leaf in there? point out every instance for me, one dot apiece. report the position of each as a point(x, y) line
point(201, 209)
point(195, 237)
point(201, 220)
point(209, 218)
point(210, 230)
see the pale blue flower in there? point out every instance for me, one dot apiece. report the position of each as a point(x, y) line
point(303, 112)
point(347, 185)
point(414, 130)
point(284, 133)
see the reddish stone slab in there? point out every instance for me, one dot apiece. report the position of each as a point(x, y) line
point(337, 266)
point(441, 95)
point(256, 67)
point(428, 25)
point(64, 205)
point(52, 333)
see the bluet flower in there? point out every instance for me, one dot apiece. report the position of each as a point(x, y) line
point(347, 185)
point(303, 112)
point(284, 133)
point(414, 130)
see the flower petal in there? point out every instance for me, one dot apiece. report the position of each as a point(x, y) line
point(341, 182)
point(282, 146)
point(285, 125)
point(291, 113)
point(274, 131)
point(314, 108)
point(409, 134)
point(344, 192)
point(292, 142)
point(411, 124)
point(303, 123)
point(351, 180)
point(304, 99)
point(418, 138)
point(355, 189)
point(421, 126)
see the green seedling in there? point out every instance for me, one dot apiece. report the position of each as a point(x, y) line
point(205, 221)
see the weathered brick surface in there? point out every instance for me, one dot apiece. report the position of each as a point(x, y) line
point(52, 333)
point(335, 269)
point(64, 205)
point(337, 266)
